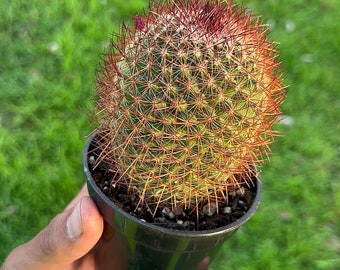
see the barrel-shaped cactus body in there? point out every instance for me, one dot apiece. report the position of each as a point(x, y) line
point(187, 102)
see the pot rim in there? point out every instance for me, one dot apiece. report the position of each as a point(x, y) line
point(230, 227)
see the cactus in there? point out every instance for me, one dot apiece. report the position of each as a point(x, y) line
point(187, 100)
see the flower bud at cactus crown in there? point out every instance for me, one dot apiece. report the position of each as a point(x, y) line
point(187, 100)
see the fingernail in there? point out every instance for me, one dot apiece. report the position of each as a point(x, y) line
point(74, 226)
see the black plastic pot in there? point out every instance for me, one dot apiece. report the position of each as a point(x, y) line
point(129, 243)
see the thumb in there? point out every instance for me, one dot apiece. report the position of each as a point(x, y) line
point(68, 237)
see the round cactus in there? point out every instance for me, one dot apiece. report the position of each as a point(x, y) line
point(187, 102)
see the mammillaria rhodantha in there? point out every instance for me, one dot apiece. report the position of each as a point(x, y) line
point(187, 100)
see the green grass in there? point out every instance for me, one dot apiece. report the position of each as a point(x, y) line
point(48, 57)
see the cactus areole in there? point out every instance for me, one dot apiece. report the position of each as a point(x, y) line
point(187, 100)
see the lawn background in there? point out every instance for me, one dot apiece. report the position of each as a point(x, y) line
point(49, 51)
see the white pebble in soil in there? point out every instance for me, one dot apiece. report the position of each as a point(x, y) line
point(168, 213)
point(209, 209)
point(240, 191)
point(92, 160)
point(227, 210)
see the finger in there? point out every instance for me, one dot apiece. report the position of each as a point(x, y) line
point(68, 237)
point(204, 265)
point(83, 192)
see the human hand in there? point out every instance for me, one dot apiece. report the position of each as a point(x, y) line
point(66, 243)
